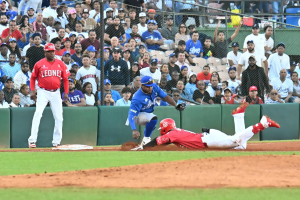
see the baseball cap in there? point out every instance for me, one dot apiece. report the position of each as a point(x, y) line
point(91, 48)
point(123, 22)
point(2, 1)
point(231, 68)
point(81, 35)
point(154, 61)
point(251, 57)
point(171, 55)
point(12, 14)
point(121, 10)
point(169, 17)
point(250, 41)
point(252, 88)
point(191, 74)
point(293, 63)
point(142, 14)
point(72, 11)
point(147, 81)
point(191, 26)
point(71, 80)
point(152, 22)
point(255, 26)
point(235, 44)
point(49, 47)
point(142, 45)
point(127, 50)
point(30, 8)
point(66, 52)
point(136, 63)
point(109, 10)
point(230, 89)
point(72, 34)
point(12, 39)
point(9, 78)
point(281, 44)
point(35, 34)
point(183, 67)
point(75, 63)
point(107, 81)
point(116, 49)
point(85, 10)
point(4, 44)
point(151, 11)
point(67, 39)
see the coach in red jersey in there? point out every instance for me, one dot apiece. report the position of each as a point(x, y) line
point(48, 72)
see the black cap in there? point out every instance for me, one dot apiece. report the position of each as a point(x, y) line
point(9, 79)
point(154, 61)
point(136, 63)
point(169, 17)
point(252, 57)
point(191, 26)
point(235, 44)
point(281, 44)
point(255, 26)
point(293, 63)
point(250, 41)
point(116, 49)
point(121, 10)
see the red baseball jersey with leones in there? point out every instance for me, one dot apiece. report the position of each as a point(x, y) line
point(49, 74)
point(182, 138)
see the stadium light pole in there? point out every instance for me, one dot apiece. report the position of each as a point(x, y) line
point(101, 50)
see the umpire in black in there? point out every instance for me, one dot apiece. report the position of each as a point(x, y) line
point(116, 70)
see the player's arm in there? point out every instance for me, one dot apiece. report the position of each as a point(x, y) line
point(169, 100)
point(160, 140)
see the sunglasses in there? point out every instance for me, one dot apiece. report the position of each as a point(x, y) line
point(274, 93)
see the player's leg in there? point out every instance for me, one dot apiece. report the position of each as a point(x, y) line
point(218, 139)
point(41, 103)
point(238, 116)
point(56, 107)
point(150, 121)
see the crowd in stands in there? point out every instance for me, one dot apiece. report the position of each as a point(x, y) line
point(190, 66)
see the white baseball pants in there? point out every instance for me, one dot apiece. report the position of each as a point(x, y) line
point(218, 139)
point(142, 119)
point(43, 97)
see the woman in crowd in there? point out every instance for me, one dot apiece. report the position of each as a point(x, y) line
point(15, 101)
point(134, 71)
point(24, 21)
point(191, 86)
point(144, 61)
point(87, 4)
point(108, 100)
point(24, 93)
point(80, 37)
point(13, 48)
point(87, 91)
point(73, 40)
point(72, 18)
point(182, 34)
point(216, 74)
point(184, 75)
point(296, 86)
point(183, 92)
point(201, 95)
point(165, 68)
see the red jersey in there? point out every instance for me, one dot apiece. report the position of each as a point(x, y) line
point(202, 77)
point(49, 75)
point(59, 53)
point(231, 101)
point(182, 138)
point(16, 34)
point(258, 100)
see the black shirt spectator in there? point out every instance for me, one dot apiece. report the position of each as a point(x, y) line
point(8, 90)
point(113, 32)
point(34, 54)
point(171, 65)
point(203, 96)
point(133, 4)
point(173, 82)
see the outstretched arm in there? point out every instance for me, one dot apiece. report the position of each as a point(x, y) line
point(236, 31)
point(216, 31)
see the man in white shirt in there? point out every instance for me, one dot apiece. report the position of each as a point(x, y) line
point(259, 57)
point(78, 28)
point(233, 56)
point(3, 104)
point(211, 89)
point(181, 62)
point(95, 14)
point(258, 39)
point(51, 10)
point(233, 83)
point(3, 23)
point(278, 61)
point(142, 27)
point(269, 42)
point(112, 5)
point(152, 71)
point(23, 76)
point(284, 86)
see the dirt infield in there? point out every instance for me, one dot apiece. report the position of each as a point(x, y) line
point(240, 171)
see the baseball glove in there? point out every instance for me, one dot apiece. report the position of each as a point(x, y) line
point(181, 106)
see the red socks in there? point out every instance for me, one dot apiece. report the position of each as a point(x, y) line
point(258, 127)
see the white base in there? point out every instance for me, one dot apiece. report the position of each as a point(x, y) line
point(72, 147)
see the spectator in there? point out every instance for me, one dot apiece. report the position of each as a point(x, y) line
point(133, 47)
point(259, 57)
point(182, 47)
point(15, 101)
point(136, 85)
point(254, 76)
point(293, 65)
point(208, 50)
point(73, 77)
point(159, 102)
point(172, 66)
point(67, 59)
point(221, 45)
point(296, 85)
point(38, 25)
point(31, 12)
point(274, 98)
point(3, 23)
point(78, 10)
point(105, 56)
point(4, 57)
point(51, 10)
point(3, 104)
point(73, 40)
point(95, 13)
point(258, 40)
point(216, 74)
point(136, 36)
point(204, 75)
point(213, 87)
point(176, 97)
point(132, 4)
point(186, 7)
point(126, 92)
point(173, 82)
point(191, 86)
point(126, 57)
point(72, 19)
point(11, 68)
point(25, 100)
point(233, 83)
point(22, 76)
point(183, 93)
point(60, 17)
point(77, 56)
point(14, 49)
point(80, 37)
point(113, 5)
point(8, 89)
point(184, 74)
point(79, 30)
point(128, 23)
point(91, 40)
point(107, 90)
point(201, 95)
point(152, 38)
point(278, 61)
point(109, 13)
point(144, 60)
point(25, 48)
point(88, 23)
point(24, 22)
point(65, 8)
point(133, 18)
point(115, 30)
point(36, 52)
point(134, 71)
point(227, 98)
point(163, 84)
point(142, 50)
point(269, 42)
point(164, 68)
point(217, 98)
point(57, 44)
point(108, 100)
point(156, 18)
point(121, 14)
point(142, 27)
point(181, 62)
point(194, 46)
point(88, 73)
point(13, 32)
point(67, 46)
point(284, 86)
point(87, 4)
point(50, 28)
point(75, 97)
point(169, 31)
point(91, 52)
point(117, 71)
point(253, 98)
point(60, 32)
point(234, 56)
point(90, 98)
point(152, 71)
point(114, 42)
point(20, 44)
point(182, 34)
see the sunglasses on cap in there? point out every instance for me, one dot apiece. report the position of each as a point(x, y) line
point(149, 82)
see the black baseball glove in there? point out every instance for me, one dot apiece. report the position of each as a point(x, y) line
point(181, 106)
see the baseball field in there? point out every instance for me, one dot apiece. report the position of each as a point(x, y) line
point(266, 170)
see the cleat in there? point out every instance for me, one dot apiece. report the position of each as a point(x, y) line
point(240, 109)
point(55, 145)
point(32, 145)
point(267, 122)
point(146, 140)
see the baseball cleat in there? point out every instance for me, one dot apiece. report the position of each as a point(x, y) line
point(55, 145)
point(32, 145)
point(146, 140)
point(267, 122)
point(240, 109)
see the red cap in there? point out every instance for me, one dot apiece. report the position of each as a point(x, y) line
point(49, 47)
point(151, 11)
point(252, 88)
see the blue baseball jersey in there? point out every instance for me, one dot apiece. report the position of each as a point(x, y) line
point(154, 36)
point(192, 48)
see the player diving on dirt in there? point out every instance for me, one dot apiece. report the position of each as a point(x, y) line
point(210, 138)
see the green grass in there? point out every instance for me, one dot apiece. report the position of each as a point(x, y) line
point(146, 194)
point(38, 162)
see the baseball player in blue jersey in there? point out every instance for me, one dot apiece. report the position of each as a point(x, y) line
point(142, 107)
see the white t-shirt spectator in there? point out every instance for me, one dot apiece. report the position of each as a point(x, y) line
point(233, 84)
point(146, 72)
point(259, 57)
point(90, 100)
point(277, 63)
point(47, 12)
point(235, 58)
point(283, 88)
point(269, 43)
point(88, 75)
point(259, 42)
point(142, 29)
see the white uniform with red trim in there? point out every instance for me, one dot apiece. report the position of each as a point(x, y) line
point(88, 75)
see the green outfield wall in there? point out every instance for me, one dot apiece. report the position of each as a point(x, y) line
point(106, 125)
